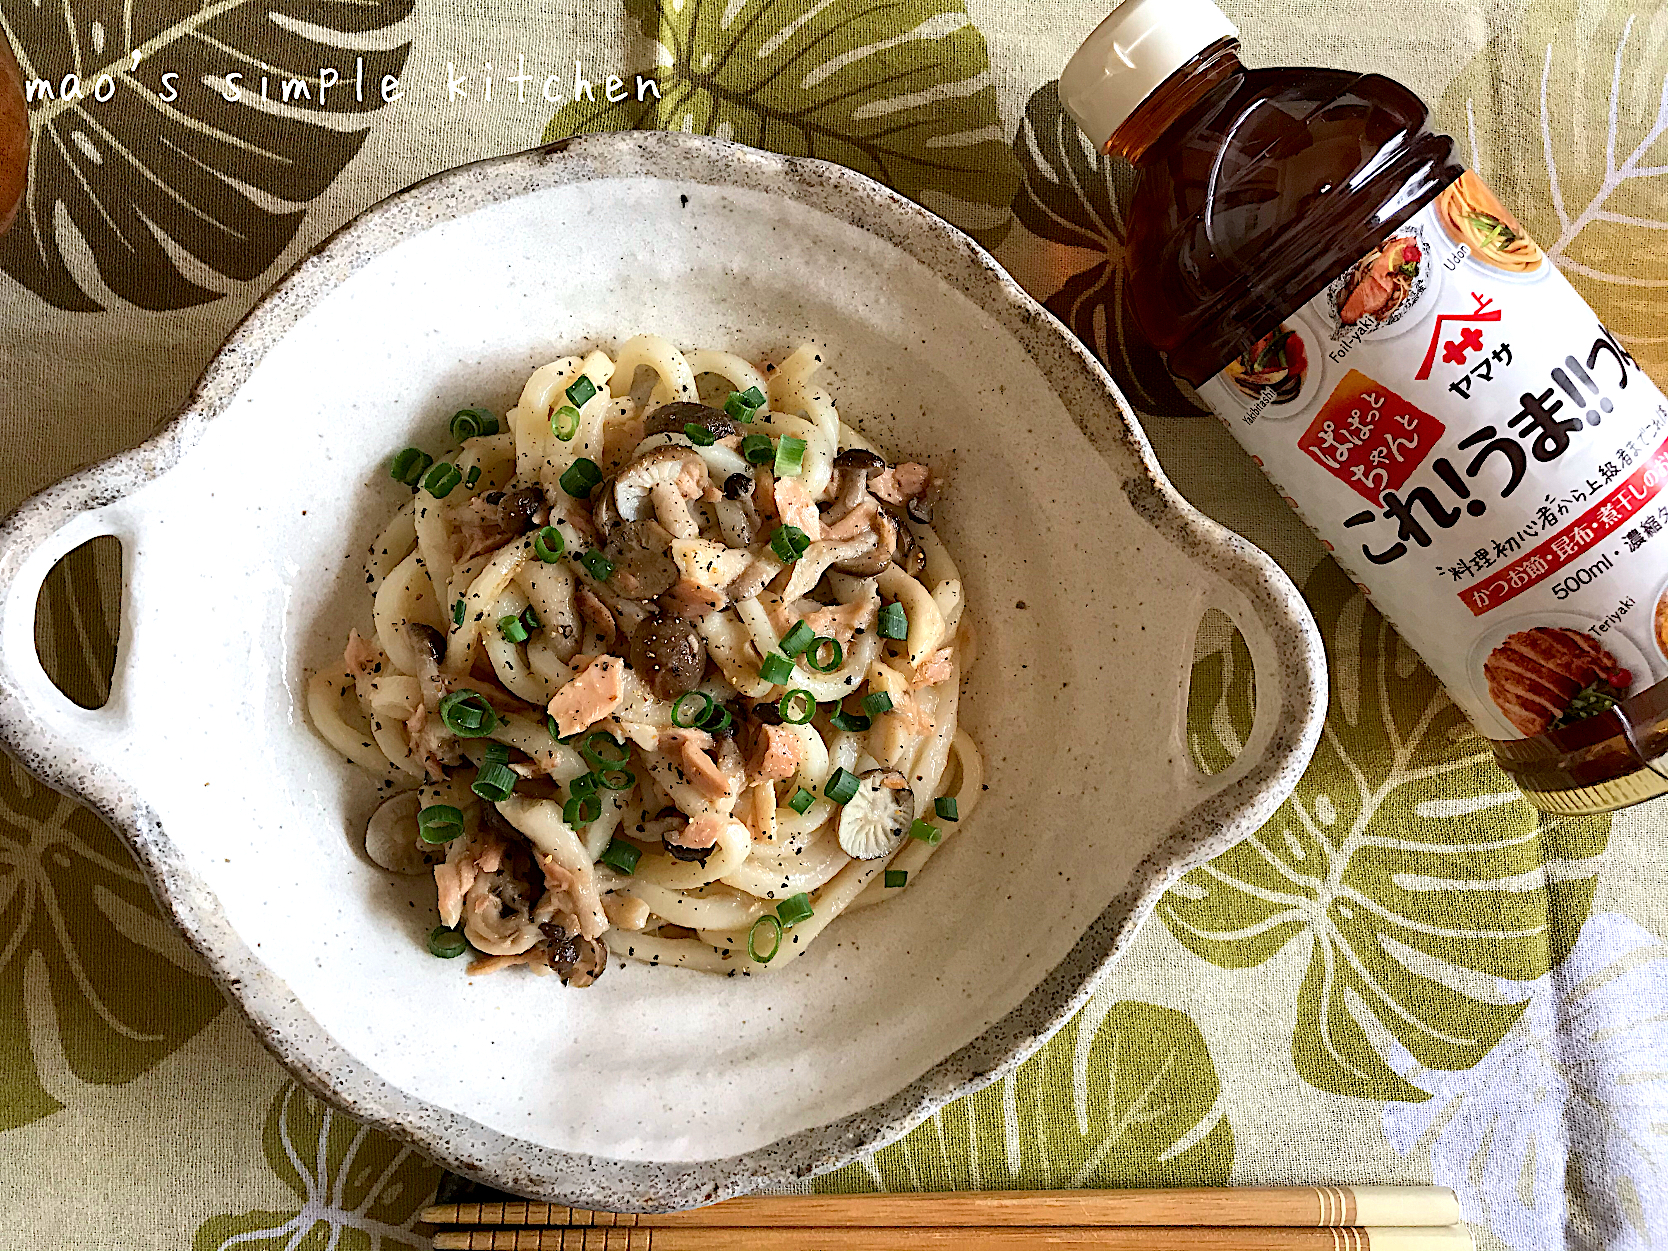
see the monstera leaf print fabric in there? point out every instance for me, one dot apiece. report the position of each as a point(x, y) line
point(1406, 975)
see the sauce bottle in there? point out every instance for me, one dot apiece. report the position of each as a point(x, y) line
point(1443, 409)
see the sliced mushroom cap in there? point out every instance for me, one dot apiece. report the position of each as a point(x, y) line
point(910, 556)
point(739, 486)
point(578, 960)
point(643, 566)
point(604, 514)
point(877, 558)
point(669, 655)
point(522, 507)
point(429, 642)
point(858, 458)
point(875, 820)
point(672, 418)
point(391, 836)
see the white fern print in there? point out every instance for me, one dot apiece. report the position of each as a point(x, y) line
point(1560, 1136)
point(308, 1133)
point(1615, 175)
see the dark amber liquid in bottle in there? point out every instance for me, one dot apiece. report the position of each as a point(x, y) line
point(1257, 188)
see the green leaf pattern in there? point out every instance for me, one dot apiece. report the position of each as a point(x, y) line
point(1412, 871)
point(899, 91)
point(359, 1190)
point(1566, 113)
point(1125, 1095)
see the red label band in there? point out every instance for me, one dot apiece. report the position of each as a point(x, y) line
point(1572, 542)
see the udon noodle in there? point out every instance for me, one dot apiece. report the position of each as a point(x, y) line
point(1474, 216)
point(664, 664)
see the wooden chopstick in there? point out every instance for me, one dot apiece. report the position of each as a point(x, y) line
point(1310, 1206)
point(1011, 1238)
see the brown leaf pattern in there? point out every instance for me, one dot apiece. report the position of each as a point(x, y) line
point(75, 912)
point(1076, 199)
point(172, 202)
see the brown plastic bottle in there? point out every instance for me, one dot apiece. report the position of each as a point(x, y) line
point(1441, 407)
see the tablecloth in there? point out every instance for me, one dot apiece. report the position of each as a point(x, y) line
point(1407, 975)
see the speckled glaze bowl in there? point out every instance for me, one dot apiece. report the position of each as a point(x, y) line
point(243, 524)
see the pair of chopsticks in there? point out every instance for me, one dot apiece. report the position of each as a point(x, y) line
point(1285, 1218)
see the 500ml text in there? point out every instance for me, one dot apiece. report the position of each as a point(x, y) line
point(1584, 576)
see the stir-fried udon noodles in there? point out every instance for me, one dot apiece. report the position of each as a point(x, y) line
point(664, 663)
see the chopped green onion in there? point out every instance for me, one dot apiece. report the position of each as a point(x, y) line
point(581, 478)
point(530, 619)
point(877, 703)
point(621, 855)
point(776, 669)
point(926, 833)
point(797, 707)
point(439, 823)
point(584, 784)
point(468, 423)
point(894, 622)
point(841, 786)
point(789, 543)
point(580, 391)
point(597, 565)
point(682, 719)
point(945, 807)
point(797, 639)
point(564, 423)
point(457, 612)
point(716, 721)
point(440, 480)
point(472, 477)
point(548, 545)
point(825, 647)
point(789, 453)
point(896, 878)
point(802, 800)
point(698, 434)
point(743, 405)
point(551, 728)
point(616, 779)
point(773, 926)
point(446, 943)
point(495, 782)
point(757, 449)
point(592, 747)
point(408, 466)
point(582, 810)
point(853, 722)
point(512, 629)
point(497, 753)
point(795, 908)
point(468, 715)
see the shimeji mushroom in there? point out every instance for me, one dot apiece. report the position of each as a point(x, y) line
point(876, 818)
point(855, 465)
point(669, 655)
point(676, 418)
point(664, 480)
point(391, 836)
point(640, 554)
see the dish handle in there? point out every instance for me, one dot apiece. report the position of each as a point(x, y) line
point(67, 745)
point(1288, 662)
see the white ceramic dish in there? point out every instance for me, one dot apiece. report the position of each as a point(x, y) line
point(243, 523)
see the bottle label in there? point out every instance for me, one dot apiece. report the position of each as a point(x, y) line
point(1485, 459)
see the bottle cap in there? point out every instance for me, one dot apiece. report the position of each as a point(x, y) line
point(1138, 46)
